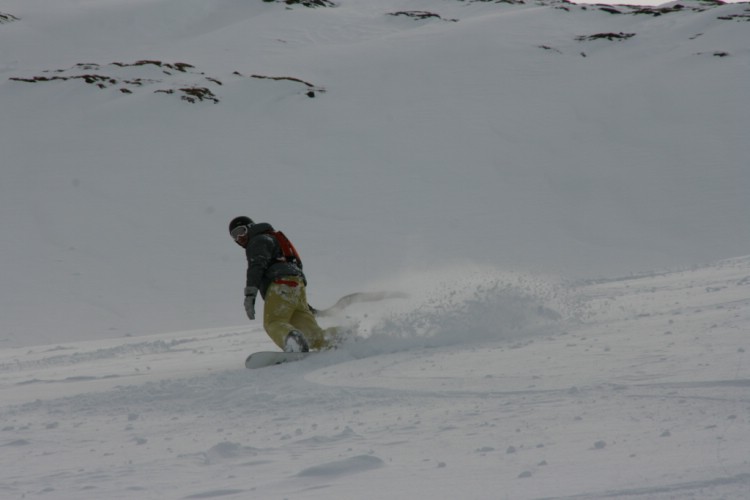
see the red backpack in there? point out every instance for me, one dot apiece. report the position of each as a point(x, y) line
point(288, 252)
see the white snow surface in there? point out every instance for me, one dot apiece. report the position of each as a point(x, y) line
point(562, 191)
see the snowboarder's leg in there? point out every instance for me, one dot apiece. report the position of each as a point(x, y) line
point(280, 305)
point(318, 338)
point(304, 320)
point(286, 310)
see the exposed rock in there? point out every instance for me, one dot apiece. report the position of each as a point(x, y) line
point(607, 36)
point(198, 87)
point(7, 18)
point(420, 15)
point(305, 3)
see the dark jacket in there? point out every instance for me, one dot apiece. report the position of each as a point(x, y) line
point(265, 261)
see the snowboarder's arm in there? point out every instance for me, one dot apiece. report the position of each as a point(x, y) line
point(260, 255)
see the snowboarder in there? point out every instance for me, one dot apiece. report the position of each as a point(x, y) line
point(275, 270)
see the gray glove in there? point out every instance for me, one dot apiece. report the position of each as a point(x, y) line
point(250, 293)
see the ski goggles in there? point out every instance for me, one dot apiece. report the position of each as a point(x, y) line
point(238, 232)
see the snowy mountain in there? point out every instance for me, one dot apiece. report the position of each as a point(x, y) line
point(511, 135)
point(562, 191)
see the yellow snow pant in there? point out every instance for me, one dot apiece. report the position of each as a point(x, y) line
point(286, 309)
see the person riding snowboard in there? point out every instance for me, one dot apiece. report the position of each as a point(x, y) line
point(274, 269)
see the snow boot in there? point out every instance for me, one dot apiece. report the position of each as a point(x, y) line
point(295, 342)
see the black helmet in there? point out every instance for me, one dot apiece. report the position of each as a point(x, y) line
point(242, 220)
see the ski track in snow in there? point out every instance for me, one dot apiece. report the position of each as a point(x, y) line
point(638, 390)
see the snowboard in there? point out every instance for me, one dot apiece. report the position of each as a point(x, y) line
point(269, 358)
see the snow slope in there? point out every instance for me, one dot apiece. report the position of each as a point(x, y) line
point(639, 390)
point(562, 190)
